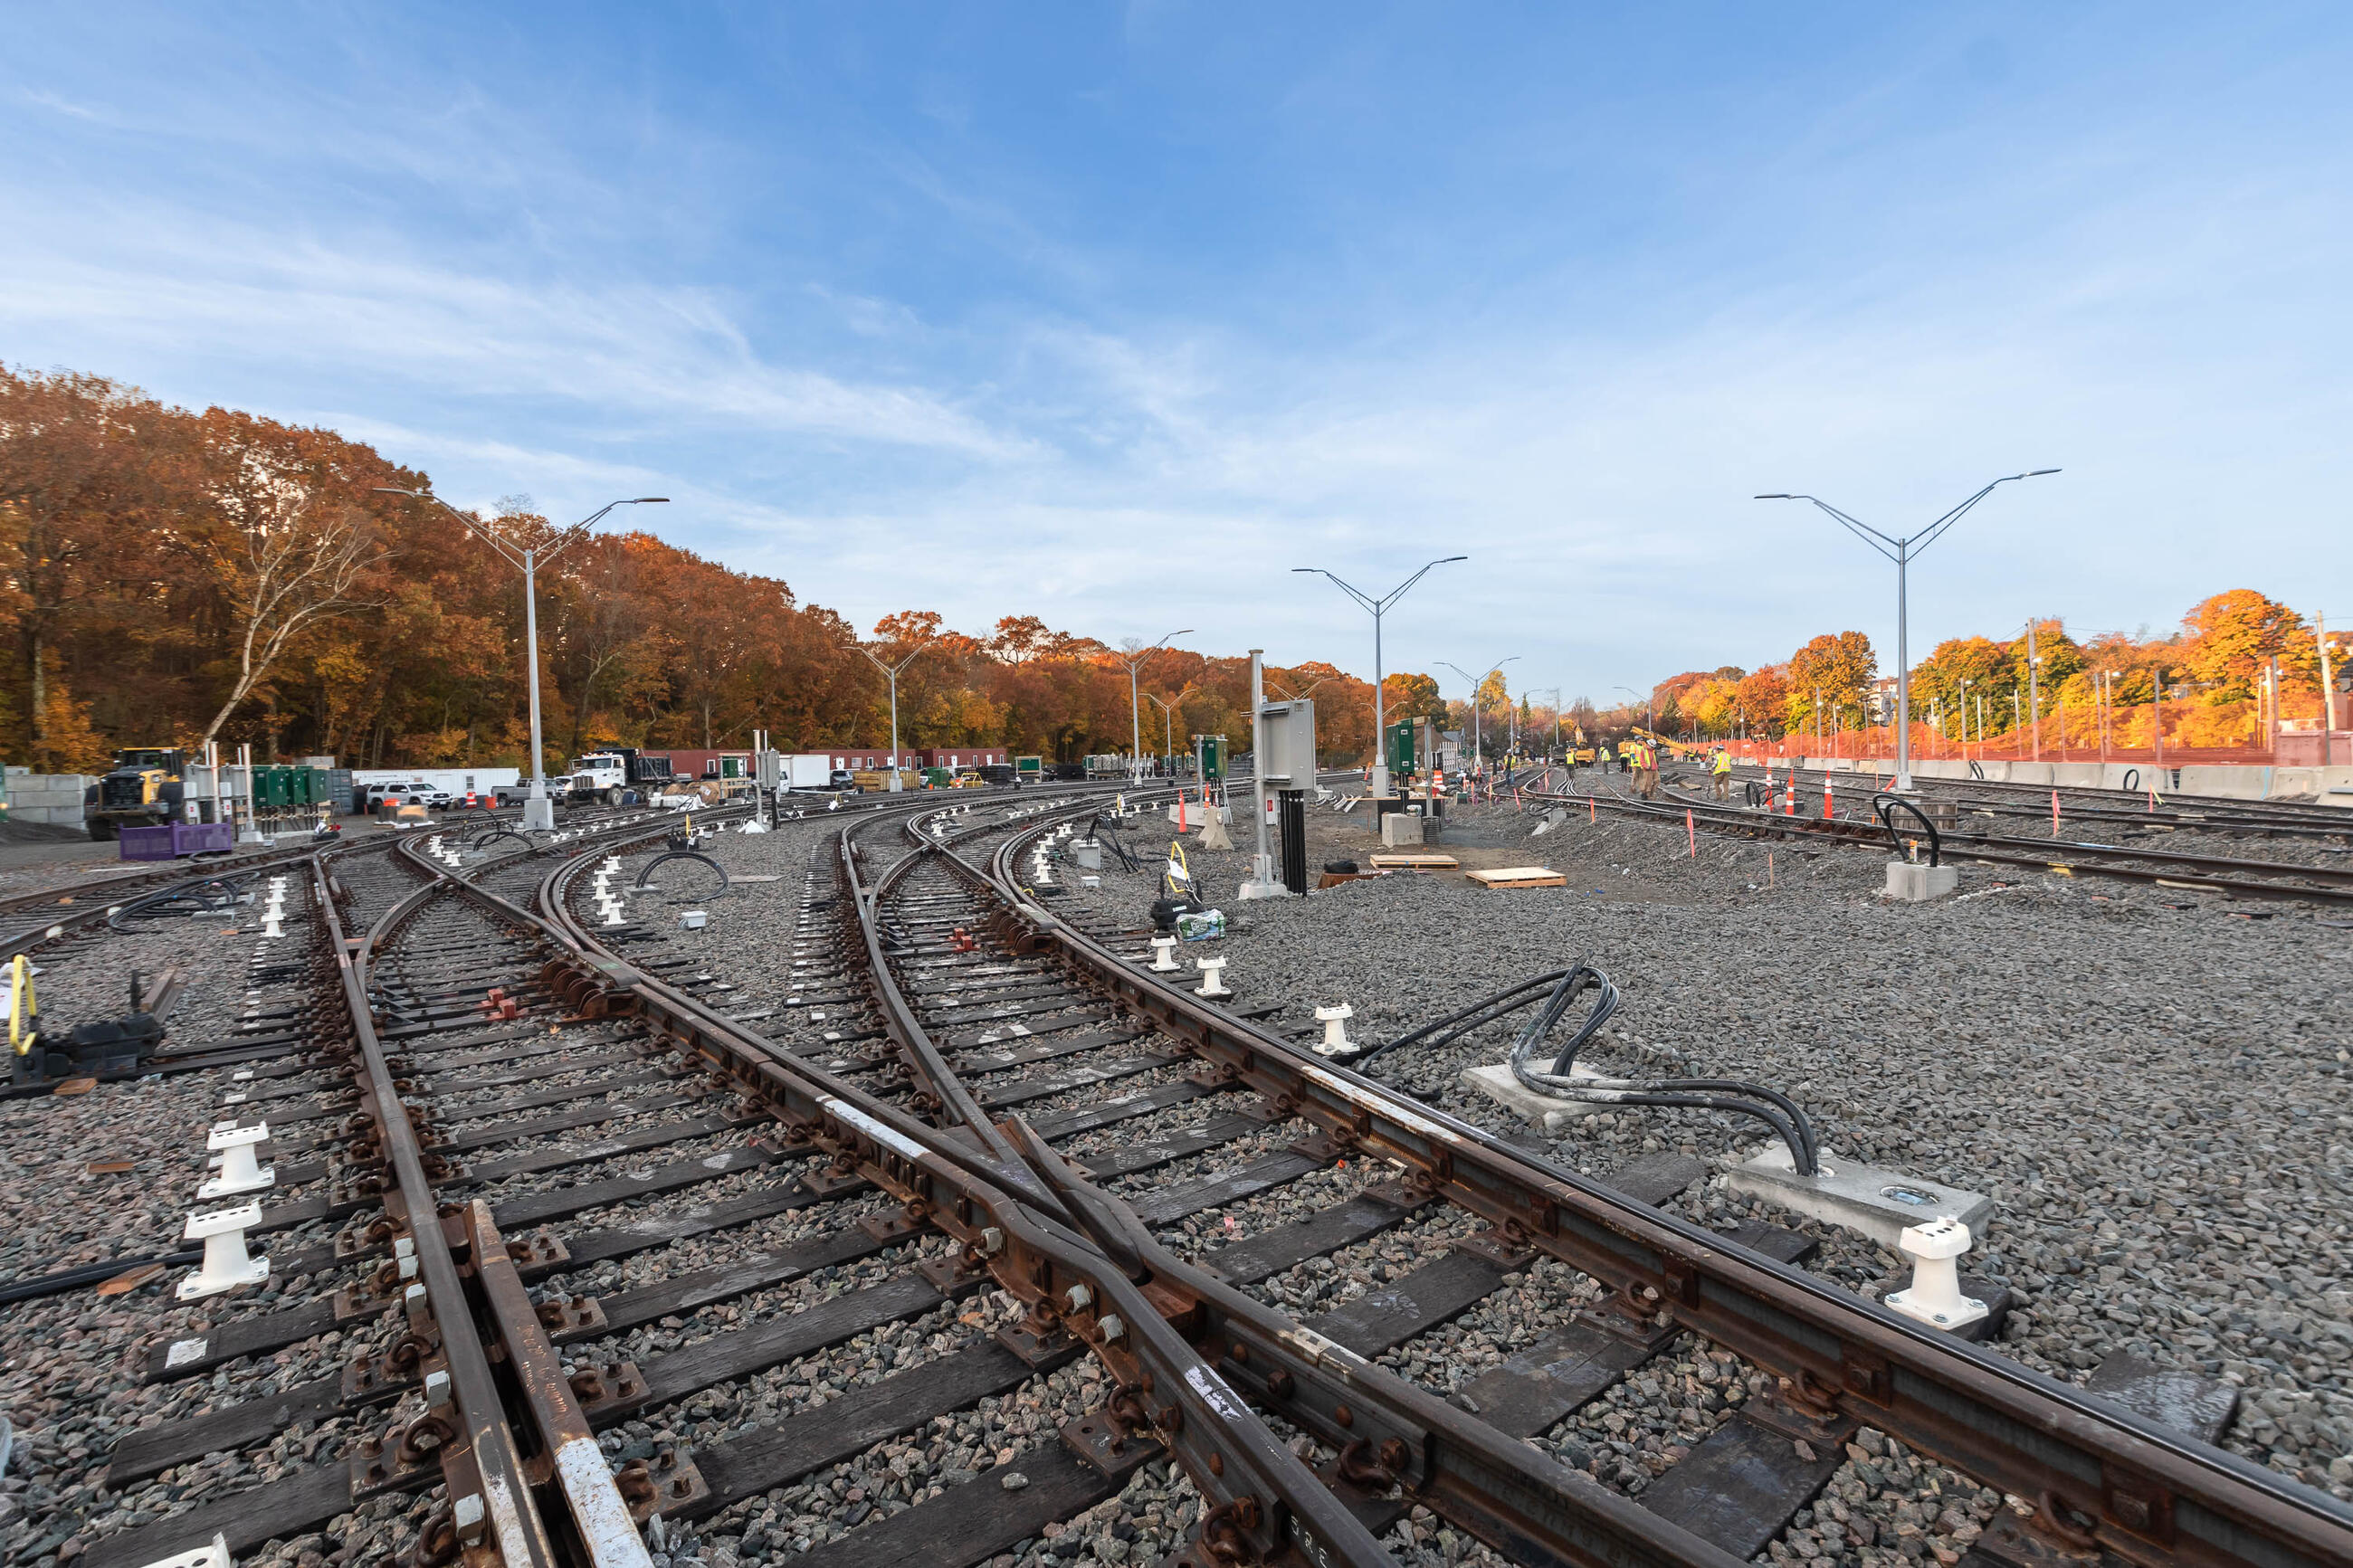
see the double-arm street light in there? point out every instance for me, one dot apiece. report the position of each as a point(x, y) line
point(1136, 656)
point(890, 672)
point(1168, 722)
point(1650, 702)
point(1901, 551)
point(1478, 752)
point(1380, 781)
point(538, 811)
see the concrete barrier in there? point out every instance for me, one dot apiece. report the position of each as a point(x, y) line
point(53, 798)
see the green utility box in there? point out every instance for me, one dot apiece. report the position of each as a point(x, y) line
point(1399, 737)
point(1213, 759)
point(937, 778)
point(731, 767)
point(273, 788)
point(1032, 769)
point(309, 786)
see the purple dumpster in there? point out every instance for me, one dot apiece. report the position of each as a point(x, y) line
point(170, 840)
point(153, 843)
point(203, 838)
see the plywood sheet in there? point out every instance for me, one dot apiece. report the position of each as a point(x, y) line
point(1518, 877)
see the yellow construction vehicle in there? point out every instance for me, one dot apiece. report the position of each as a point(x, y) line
point(143, 788)
point(1682, 751)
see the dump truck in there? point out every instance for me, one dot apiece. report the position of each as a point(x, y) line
point(604, 775)
point(143, 788)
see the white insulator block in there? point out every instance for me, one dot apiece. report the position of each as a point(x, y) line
point(226, 1266)
point(1212, 977)
point(1164, 954)
point(1934, 1296)
point(240, 1172)
point(1335, 1029)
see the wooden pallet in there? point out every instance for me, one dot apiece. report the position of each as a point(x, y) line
point(1403, 860)
point(1518, 877)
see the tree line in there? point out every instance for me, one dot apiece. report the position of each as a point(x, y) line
point(2238, 661)
point(169, 577)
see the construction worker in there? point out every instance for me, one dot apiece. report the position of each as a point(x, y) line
point(1721, 770)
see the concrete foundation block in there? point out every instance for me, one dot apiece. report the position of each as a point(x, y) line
point(1858, 1197)
point(1917, 883)
point(1543, 1110)
point(1400, 827)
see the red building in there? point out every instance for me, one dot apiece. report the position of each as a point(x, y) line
point(959, 756)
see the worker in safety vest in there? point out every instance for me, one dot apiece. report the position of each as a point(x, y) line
point(1722, 770)
point(1650, 771)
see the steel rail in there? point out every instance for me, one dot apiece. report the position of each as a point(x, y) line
point(2149, 1494)
point(509, 1516)
point(2156, 867)
point(1530, 1505)
point(2219, 814)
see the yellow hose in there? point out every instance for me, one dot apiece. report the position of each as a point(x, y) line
point(24, 1007)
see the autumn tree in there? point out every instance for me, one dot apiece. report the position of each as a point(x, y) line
point(1836, 670)
point(2228, 641)
point(287, 544)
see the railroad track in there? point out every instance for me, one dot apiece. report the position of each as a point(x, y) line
point(1004, 1153)
point(1781, 818)
point(2126, 811)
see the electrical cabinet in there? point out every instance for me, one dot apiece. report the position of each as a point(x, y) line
point(1286, 756)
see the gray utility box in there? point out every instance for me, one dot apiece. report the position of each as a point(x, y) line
point(1286, 752)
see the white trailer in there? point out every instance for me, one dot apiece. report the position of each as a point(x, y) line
point(457, 780)
point(808, 770)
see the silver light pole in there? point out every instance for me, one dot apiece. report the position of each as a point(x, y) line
point(1380, 780)
point(538, 811)
point(891, 671)
point(1478, 751)
point(1901, 551)
point(1136, 656)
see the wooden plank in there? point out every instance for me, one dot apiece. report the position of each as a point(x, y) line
point(781, 1453)
point(194, 1354)
point(763, 1345)
point(1023, 1090)
point(1169, 1204)
point(1534, 1389)
point(1144, 1103)
point(1739, 1488)
point(1413, 860)
point(293, 1504)
point(1286, 1247)
point(2202, 1406)
point(1517, 877)
point(151, 1450)
point(975, 1521)
point(1431, 1295)
point(706, 1287)
point(1143, 1154)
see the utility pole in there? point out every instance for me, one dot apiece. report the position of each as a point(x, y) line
point(1135, 655)
point(538, 811)
point(1262, 883)
point(1379, 607)
point(891, 671)
point(1901, 551)
point(2035, 686)
point(1478, 752)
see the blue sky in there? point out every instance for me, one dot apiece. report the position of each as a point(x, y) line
point(1113, 315)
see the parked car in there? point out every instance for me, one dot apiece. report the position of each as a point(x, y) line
point(416, 792)
point(843, 779)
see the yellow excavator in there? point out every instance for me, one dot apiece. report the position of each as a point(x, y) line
point(145, 787)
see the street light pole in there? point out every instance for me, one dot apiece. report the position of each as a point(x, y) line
point(891, 671)
point(538, 811)
point(1136, 656)
point(1380, 777)
point(1901, 551)
point(1478, 751)
point(1168, 724)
